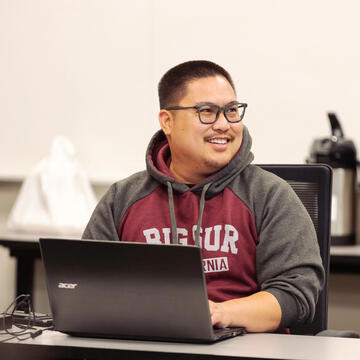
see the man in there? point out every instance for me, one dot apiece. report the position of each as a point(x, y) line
point(261, 258)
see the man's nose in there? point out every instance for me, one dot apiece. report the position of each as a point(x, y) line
point(221, 123)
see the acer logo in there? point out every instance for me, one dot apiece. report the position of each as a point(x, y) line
point(67, 285)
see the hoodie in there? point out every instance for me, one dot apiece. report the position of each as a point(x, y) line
point(253, 230)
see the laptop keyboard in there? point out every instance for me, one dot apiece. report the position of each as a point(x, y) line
point(222, 333)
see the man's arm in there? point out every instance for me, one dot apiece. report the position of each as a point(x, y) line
point(101, 225)
point(259, 312)
point(288, 261)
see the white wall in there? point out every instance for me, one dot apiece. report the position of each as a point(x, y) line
point(88, 69)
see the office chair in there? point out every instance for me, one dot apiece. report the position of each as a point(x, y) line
point(312, 184)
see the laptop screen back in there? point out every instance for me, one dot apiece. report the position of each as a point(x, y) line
point(126, 290)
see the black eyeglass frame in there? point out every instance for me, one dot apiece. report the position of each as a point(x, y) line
point(220, 109)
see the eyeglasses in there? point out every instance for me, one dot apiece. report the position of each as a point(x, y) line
point(209, 113)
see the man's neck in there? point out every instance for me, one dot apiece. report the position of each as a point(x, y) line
point(187, 179)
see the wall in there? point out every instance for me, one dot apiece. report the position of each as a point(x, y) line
point(344, 300)
point(88, 69)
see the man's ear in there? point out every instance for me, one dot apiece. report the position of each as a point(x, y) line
point(166, 121)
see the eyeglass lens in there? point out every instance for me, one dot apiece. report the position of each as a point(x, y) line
point(209, 113)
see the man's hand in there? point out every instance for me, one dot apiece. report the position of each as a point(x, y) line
point(219, 317)
point(259, 312)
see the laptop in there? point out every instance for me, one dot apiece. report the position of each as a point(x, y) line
point(129, 290)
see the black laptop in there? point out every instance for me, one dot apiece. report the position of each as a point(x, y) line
point(129, 290)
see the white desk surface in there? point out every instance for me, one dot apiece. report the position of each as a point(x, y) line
point(262, 346)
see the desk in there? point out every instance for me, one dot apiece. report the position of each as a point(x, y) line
point(52, 344)
point(25, 247)
point(345, 259)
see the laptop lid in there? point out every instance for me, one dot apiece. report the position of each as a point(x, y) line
point(127, 290)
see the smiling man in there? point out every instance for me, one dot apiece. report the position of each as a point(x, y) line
point(260, 254)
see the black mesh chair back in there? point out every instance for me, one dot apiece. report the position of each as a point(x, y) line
point(312, 184)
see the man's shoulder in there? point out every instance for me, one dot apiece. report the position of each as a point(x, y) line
point(255, 186)
point(256, 175)
point(134, 185)
point(132, 179)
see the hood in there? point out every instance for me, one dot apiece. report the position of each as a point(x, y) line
point(158, 154)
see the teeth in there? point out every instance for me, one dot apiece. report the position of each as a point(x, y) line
point(218, 141)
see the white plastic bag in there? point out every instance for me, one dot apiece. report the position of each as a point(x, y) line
point(56, 197)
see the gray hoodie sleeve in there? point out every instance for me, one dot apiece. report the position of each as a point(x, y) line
point(105, 221)
point(101, 225)
point(288, 259)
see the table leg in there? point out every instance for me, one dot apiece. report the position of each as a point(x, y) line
point(25, 275)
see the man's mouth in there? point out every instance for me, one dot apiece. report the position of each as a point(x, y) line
point(220, 141)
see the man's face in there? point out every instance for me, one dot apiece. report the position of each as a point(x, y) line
point(198, 150)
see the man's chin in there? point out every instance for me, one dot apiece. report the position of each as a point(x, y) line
point(215, 165)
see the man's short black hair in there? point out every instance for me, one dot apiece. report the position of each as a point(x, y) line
point(172, 86)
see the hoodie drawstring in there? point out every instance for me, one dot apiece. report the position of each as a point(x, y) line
point(201, 211)
point(172, 213)
point(173, 217)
